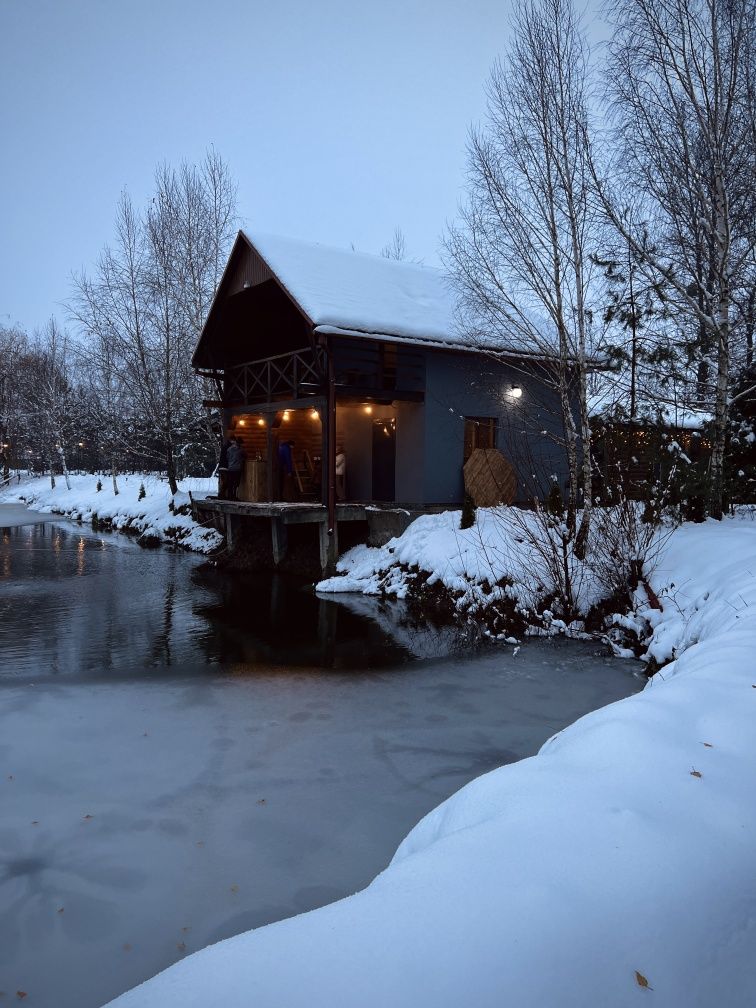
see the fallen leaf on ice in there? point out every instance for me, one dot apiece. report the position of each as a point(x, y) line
point(181, 947)
point(695, 773)
point(234, 888)
point(260, 801)
point(185, 929)
point(20, 995)
point(708, 745)
point(641, 981)
point(61, 909)
point(87, 817)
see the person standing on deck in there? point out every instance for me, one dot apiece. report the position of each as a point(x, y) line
point(340, 473)
point(223, 468)
point(286, 468)
point(236, 458)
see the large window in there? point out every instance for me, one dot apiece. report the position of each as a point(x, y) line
point(480, 432)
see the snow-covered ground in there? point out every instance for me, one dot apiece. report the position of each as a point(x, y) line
point(151, 516)
point(617, 865)
point(473, 562)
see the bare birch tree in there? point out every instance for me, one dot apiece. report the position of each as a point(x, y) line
point(50, 402)
point(144, 306)
point(13, 343)
point(521, 257)
point(682, 80)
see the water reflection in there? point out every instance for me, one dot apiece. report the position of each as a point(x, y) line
point(81, 605)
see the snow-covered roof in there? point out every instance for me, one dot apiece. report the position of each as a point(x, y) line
point(362, 294)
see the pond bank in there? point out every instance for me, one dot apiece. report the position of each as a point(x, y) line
point(144, 506)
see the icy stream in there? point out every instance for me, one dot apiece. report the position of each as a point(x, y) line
point(183, 757)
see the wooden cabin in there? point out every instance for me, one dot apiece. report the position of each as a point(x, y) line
point(333, 351)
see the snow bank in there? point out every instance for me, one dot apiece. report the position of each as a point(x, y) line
point(151, 516)
point(492, 559)
point(615, 868)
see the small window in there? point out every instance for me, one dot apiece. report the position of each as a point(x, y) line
point(480, 432)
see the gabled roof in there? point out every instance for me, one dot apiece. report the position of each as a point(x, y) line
point(356, 294)
point(360, 294)
point(355, 291)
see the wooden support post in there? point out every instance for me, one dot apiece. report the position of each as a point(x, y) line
point(269, 462)
point(331, 445)
point(329, 548)
point(279, 540)
point(231, 529)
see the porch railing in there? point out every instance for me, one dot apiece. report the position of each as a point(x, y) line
point(285, 376)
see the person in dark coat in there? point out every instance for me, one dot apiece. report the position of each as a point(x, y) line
point(223, 469)
point(286, 468)
point(236, 459)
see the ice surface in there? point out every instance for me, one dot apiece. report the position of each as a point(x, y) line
point(222, 796)
point(616, 866)
point(15, 515)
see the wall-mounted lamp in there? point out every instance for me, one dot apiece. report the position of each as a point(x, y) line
point(515, 391)
point(314, 414)
point(261, 422)
point(286, 416)
point(242, 423)
point(368, 410)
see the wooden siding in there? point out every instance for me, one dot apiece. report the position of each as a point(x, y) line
point(248, 270)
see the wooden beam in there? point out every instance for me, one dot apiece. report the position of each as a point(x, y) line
point(331, 455)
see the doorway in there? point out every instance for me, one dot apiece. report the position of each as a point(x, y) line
point(384, 459)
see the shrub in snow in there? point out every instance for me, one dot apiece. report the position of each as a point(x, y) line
point(468, 513)
point(142, 492)
point(555, 500)
point(99, 485)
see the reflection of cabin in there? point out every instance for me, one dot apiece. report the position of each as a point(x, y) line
point(333, 350)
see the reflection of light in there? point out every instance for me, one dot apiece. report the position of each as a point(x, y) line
point(515, 391)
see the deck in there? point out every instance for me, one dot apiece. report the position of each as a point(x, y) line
point(383, 522)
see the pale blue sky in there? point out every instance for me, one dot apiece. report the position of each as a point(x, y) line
point(340, 120)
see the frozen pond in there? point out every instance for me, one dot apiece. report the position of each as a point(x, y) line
point(183, 757)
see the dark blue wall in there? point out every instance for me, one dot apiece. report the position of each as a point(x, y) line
point(459, 385)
